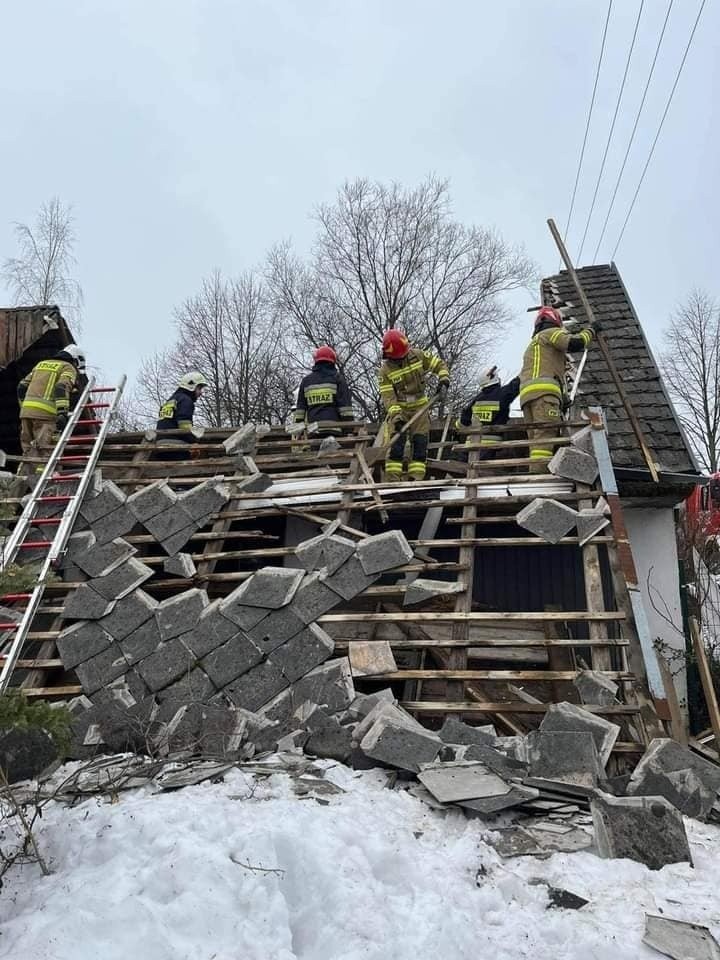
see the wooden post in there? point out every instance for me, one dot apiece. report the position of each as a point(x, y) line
point(706, 679)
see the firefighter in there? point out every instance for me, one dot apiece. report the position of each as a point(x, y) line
point(178, 410)
point(402, 391)
point(323, 396)
point(44, 396)
point(542, 379)
point(489, 407)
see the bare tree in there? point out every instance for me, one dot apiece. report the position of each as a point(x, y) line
point(227, 332)
point(690, 364)
point(41, 273)
point(387, 256)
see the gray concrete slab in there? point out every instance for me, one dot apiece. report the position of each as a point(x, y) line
point(128, 614)
point(276, 628)
point(258, 686)
point(569, 756)
point(98, 504)
point(572, 463)
point(269, 587)
point(101, 669)
point(84, 603)
point(548, 519)
point(595, 688)
point(141, 642)
point(168, 663)
point(97, 560)
point(397, 744)
point(384, 551)
point(151, 500)
point(81, 641)
point(456, 731)
point(450, 782)
point(422, 589)
point(313, 597)
point(181, 565)
point(568, 716)
point(647, 829)
point(350, 579)
point(205, 498)
point(168, 523)
point(326, 550)
point(230, 660)
point(121, 581)
point(181, 613)
point(113, 525)
point(303, 652)
point(210, 631)
point(192, 687)
point(686, 780)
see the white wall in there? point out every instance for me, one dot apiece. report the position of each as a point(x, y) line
point(652, 539)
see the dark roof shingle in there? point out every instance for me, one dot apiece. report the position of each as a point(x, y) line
point(636, 366)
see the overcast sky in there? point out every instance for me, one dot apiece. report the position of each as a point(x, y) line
point(194, 134)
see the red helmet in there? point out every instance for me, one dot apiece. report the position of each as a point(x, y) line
point(325, 353)
point(395, 344)
point(550, 314)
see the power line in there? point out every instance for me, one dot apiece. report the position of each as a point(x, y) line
point(634, 130)
point(657, 135)
point(612, 129)
point(589, 117)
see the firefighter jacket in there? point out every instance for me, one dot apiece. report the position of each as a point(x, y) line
point(177, 413)
point(323, 395)
point(402, 382)
point(543, 369)
point(491, 405)
point(45, 391)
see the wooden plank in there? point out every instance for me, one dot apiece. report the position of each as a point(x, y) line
point(48, 693)
point(677, 725)
point(504, 706)
point(450, 616)
point(498, 675)
point(499, 646)
point(706, 680)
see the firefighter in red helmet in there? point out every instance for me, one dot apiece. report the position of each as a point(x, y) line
point(542, 380)
point(323, 396)
point(403, 377)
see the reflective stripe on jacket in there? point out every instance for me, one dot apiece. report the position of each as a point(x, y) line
point(46, 390)
point(543, 369)
point(323, 395)
point(177, 412)
point(402, 382)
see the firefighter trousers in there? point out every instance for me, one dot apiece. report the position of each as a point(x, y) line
point(418, 437)
point(37, 438)
point(545, 409)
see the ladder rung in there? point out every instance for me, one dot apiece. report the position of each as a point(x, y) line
point(55, 498)
point(12, 597)
point(85, 423)
point(8, 626)
point(65, 477)
point(96, 406)
point(72, 458)
point(103, 390)
point(29, 544)
point(45, 521)
point(85, 438)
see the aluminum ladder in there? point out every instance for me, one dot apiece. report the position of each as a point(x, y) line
point(102, 414)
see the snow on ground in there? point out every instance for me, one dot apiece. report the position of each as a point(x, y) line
point(372, 874)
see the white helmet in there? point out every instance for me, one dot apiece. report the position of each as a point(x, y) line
point(489, 378)
point(78, 355)
point(191, 380)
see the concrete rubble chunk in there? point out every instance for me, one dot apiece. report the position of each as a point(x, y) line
point(124, 729)
point(253, 483)
point(313, 597)
point(258, 686)
point(365, 702)
point(647, 829)
point(572, 463)
point(487, 806)
point(589, 524)
point(230, 660)
point(170, 522)
point(350, 579)
point(686, 780)
point(79, 544)
point(396, 744)
point(113, 525)
point(548, 519)
point(96, 560)
point(450, 782)
point(456, 731)
point(205, 498)
point(269, 587)
point(582, 439)
point(329, 739)
point(303, 652)
point(328, 551)
point(679, 939)
point(595, 688)
point(151, 500)
point(244, 440)
point(420, 590)
point(101, 669)
point(211, 630)
point(80, 642)
point(167, 664)
point(384, 708)
point(128, 614)
point(180, 613)
point(127, 690)
point(121, 581)
point(276, 628)
point(329, 686)
point(384, 551)
point(84, 603)
point(569, 756)
point(109, 498)
point(328, 445)
point(568, 716)
point(369, 658)
point(507, 767)
point(181, 565)
point(141, 642)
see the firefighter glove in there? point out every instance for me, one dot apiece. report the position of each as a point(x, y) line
point(596, 326)
point(61, 420)
point(443, 390)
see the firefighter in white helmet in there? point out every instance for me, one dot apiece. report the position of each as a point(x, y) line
point(178, 410)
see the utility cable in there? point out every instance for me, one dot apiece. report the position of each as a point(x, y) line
point(657, 135)
point(589, 117)
point(612, 130)
point(634, 131)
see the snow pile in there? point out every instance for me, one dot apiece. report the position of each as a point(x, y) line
point(246, 870)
